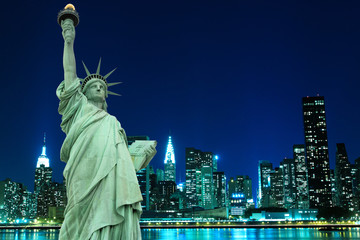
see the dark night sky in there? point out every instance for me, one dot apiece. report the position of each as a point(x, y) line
point(222, 76)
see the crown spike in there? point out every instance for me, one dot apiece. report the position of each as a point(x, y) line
point(86, 70)
point(113, 84)
point(107, 75)
point(98, 68)
point(112, 93)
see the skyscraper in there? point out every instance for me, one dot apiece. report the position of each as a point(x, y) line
point(207, 159)
point(231, 186)
point(215, 163)
point(160, 175)
point(199, 177)
point(58, 201)
point(317, 155)
point(43, 183)
point(244, 185)
point(192, 157)
point(289, 182)
point(166, 191)
point(169, 162)
point(265, 168)
point(343, 178)
point(301, 176)
point(277, 188)
point(355, 176)
point(219, 188)
point(207, 188)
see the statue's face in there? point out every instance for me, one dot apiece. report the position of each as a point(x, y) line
point(96, 92)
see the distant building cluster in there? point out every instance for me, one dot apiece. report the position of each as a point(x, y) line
point(299, 186)
point(47, 201)
point(205, 192)
point(306, 180)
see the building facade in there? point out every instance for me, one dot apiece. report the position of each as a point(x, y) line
point(317, 155)
point(301, 177)
point(169, 162)
point(219, 189)
point(343, 179)
point(276, 193)
point(199, 178)
point(192, 159)
point(207, 188)
point(43, 184)
point(15, 201)
point(289, 182)
point(265, 168)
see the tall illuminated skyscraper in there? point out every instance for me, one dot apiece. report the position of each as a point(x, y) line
point(301, 176)
point(317, 154)
point(277, 188)
point(219, 189)
point(289, 182)
point(207, 188)
point(169, 162)
point(265, 168)
point(43, 188)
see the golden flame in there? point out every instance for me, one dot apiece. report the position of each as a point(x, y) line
point(70, 6)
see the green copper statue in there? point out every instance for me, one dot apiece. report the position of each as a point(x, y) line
point(102, 188)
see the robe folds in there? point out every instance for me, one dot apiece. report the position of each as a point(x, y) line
point(101, 184)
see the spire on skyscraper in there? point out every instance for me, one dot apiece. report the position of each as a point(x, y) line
point(169, 162)
point(43, 159)
point(170, 155)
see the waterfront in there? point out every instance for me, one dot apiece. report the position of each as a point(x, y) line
point(204, 234)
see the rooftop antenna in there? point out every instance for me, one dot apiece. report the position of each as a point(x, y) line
point(44, 147)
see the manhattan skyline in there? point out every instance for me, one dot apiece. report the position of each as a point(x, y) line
point(222, 77)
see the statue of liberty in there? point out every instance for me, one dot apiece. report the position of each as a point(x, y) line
point(102, 188)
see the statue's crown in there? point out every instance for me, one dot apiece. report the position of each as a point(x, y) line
point(96, 76)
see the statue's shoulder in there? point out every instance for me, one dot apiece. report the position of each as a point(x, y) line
point(64, 91)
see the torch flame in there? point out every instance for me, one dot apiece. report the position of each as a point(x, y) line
point(70, 7)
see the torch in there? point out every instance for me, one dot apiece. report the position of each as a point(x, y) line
point(68, 12)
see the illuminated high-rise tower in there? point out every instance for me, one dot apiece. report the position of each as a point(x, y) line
point(301, 177)
point(42, 188)
point(317, 154)
point(265, 168)
point(199, 178)
point(169, 162)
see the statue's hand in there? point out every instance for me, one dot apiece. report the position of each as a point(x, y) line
point(68, 32)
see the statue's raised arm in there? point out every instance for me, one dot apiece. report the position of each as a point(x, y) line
point(68, 32)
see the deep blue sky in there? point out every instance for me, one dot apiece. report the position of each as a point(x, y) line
point(223, 76)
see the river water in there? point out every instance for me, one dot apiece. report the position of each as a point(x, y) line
point(204, 234)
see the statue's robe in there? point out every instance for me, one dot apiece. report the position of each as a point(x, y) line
point(102, 187)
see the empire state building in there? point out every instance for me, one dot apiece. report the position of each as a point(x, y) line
point(42, 188)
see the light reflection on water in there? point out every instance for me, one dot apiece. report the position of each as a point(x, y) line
point(204, 234)
point(8, 234)
point(250, 233)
